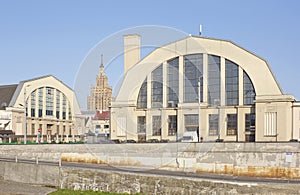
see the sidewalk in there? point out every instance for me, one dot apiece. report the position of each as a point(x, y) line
point(15, 188)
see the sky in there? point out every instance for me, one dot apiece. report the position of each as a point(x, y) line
point(55, 37)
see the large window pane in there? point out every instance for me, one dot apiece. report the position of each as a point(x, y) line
point(232, 83)
point(193, 72)
point(49, 101)
point(214, 79)
point(33, 101)
point(173, 82)
point(157, 87)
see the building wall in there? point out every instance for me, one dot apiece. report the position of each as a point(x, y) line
point(48, 123)
point(270, 100)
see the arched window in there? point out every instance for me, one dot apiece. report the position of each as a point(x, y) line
point(249, 91)
point(142, 98)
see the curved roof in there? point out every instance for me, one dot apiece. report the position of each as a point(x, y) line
point(258, 70)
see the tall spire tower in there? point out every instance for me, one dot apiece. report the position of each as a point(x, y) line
point(101, 94)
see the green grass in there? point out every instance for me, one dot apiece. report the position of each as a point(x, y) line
point(77, 192)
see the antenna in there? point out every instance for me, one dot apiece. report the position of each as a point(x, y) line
point(200, 30)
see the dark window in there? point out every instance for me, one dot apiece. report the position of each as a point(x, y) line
point(156, 125)
point(214, 79)
point(231, 124)
point(142, 98)
point(141, 125)
point(173, 82)
point(40, 96)
point(249, 122)
point(106, 126)
point(249, 91)
point(191, 122)
point(33, 101)
point(232, 83)
point(213, 124)
point(49, 101)
point(57, 104)
point(193, 72)
point(157, 87)
point(172, 125)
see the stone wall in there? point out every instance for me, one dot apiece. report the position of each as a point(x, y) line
point(96, 180)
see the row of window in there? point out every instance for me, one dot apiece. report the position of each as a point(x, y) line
point(191, 124)
point(49, 129)
point(193, 76)
point(37, 96)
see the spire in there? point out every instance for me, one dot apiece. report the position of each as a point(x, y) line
point(102, 66)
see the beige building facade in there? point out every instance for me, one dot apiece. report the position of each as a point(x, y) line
point(227, 91)
point(51, 109)
point(101, 93)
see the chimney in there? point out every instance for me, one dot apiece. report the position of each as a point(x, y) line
point(131, 50)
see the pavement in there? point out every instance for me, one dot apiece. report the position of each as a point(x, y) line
point(15, 188)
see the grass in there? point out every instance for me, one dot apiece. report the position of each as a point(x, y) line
point(78, 192)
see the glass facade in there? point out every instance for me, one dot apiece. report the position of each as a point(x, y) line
point(232, 83)
point(173, 82)
point(193, 72)
point(249, 92)
point(142, 98)
point(194, 69)
point(214, 80)
point(191, 122)
point(157, 88)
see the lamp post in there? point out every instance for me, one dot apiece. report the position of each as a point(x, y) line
point(25, 125)
point(199, 109)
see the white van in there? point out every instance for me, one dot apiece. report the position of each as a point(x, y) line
point(190, 136)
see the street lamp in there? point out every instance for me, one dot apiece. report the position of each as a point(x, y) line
point(25, 125)
point(199, 109)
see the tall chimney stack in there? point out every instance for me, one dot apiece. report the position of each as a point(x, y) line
point(131, 50)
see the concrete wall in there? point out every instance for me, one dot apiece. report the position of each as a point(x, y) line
point(30, 173)
point(278, 160)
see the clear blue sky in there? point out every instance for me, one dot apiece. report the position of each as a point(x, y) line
point(53, 37)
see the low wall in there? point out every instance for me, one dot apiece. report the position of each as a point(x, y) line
point(278, 160)
point(30, 173)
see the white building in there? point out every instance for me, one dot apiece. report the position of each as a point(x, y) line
point(51, 106)
point(240, 99)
